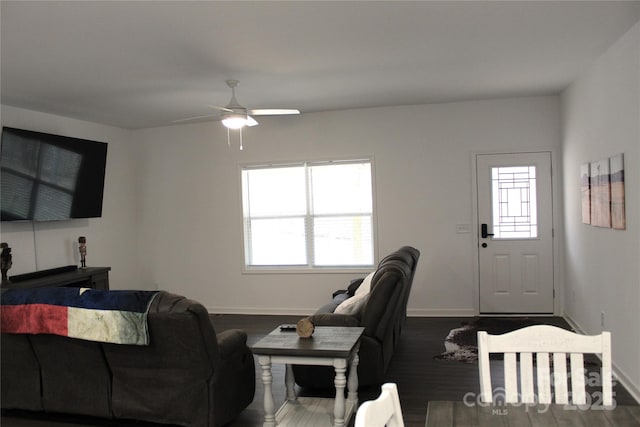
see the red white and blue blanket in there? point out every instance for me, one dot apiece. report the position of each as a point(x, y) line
point(107, 316)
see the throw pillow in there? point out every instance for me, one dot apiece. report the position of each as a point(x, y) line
point(354, 304)
point(365, 286)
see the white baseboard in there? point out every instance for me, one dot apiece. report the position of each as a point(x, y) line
point(441, 312)
point(619, 374)
point(428, 312)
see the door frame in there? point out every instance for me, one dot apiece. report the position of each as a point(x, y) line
point(558, 229)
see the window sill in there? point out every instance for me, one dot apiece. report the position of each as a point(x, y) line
point(329, 270)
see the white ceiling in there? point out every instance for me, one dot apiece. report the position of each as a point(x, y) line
point(148, 63)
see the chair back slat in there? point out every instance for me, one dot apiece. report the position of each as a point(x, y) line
point(484, 367)
point(560, 378)
point(544, 340)
point(526, 378)
point(510, 378)
point(577, 379)
point(607, 386)
point(544, 376)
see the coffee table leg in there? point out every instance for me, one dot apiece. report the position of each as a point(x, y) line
point(290, 379)
point(340, 382)
point(267, 379)
point(352, 384)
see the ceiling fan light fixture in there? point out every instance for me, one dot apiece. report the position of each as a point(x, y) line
point(235, 121)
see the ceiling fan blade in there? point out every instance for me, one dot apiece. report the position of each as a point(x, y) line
point(229, 110)
point(196, 118)
point(251, 121)
point(273, 112)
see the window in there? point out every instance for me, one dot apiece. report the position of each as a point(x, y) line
point(314, 215)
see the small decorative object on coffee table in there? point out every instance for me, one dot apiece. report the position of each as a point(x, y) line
point(6, 260)
point(305, 327)
point(335, 346)
point(82, 247)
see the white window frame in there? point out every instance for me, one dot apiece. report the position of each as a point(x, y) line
point(309, 267)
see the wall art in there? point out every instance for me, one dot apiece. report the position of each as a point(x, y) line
point(616, 178)
point(600, 194)
point(585, 193)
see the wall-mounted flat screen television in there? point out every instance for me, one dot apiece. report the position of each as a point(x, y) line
point(48, 177)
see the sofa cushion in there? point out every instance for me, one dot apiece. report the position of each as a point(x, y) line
point(21, 379)
point(87, 391)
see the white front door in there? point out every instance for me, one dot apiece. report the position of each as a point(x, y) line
point(515, 250)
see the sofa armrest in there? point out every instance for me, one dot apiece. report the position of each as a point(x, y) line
point(230, 341)
point(333, 319)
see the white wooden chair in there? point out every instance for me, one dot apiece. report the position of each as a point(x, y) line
point(542, 340)
point(384, 411)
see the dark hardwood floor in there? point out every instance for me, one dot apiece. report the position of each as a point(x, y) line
point(420, 378)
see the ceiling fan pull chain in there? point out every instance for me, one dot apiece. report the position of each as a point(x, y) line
point(241, 139)
point(228, 138)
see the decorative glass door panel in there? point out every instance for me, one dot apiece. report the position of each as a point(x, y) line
point(514, 204)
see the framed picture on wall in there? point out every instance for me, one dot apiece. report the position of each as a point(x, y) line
point(585, 190)
point(616, 174)
point(600, 194)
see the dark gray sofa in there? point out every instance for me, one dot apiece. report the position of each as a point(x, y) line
point(383, 317)
point(188, 375)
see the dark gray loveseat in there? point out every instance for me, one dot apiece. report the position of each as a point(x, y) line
point(187, 376)
point(383, 317)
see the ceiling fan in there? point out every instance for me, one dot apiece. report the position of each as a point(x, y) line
point(235, 116)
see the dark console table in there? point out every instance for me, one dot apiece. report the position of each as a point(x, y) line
point(90, 277)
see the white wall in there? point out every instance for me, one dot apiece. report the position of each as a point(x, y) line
point(601, 113)
point(190, 212)
point(111, 240)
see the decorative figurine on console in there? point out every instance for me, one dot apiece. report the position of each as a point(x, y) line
point(6, 260)
point(82, 247)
